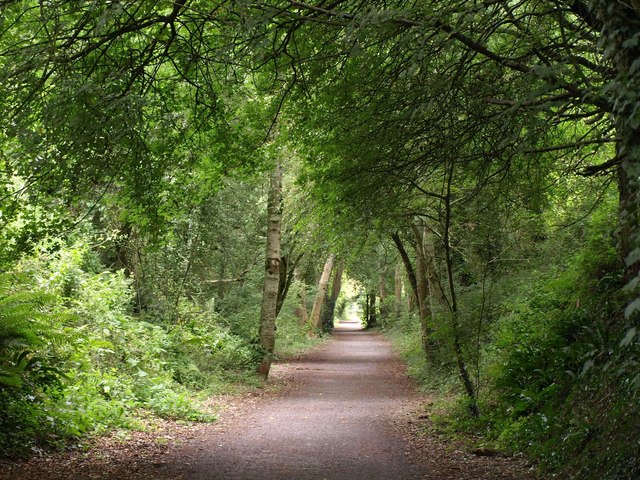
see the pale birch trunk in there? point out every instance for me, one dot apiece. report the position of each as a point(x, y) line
point(272, 273)
point(316, 311)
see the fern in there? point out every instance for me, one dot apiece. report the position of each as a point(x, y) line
point(22, 330)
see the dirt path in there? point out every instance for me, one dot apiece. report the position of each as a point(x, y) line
point(348, 413)
point(334, 424)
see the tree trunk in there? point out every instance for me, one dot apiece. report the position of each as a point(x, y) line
point(332, 299)
point(283, 285)
point(423, 310)
point(336, 285)
point(627, 216)
point(287, 275)
point(411, 275)
point(398, 291)
point(382, 293)
point(272, 273)
point(411, 303)
point(437, 295)
point(366, 311)
point(371, 310)
point(453, 302)
point(422, 287)
point(316, 311)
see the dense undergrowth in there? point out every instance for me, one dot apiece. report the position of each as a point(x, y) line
point(75, 360)
point(554, 360)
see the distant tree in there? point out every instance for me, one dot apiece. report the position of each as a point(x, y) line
point(329, 306)
point(315, 320)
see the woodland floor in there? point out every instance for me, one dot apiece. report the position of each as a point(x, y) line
point(344, 411)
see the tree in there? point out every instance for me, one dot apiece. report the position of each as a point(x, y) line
point(272, 272)
point(315, 319)
point(398, 290)
point(127, 102)
point(329, 306)
point(536, 57)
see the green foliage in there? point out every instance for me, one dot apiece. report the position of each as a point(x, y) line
point(292, 337)
point(74, 361)
point(132, 115)
point(203, 350)
point(554, 358)
point(405, 333)
point(563, 388)
point(22, 326)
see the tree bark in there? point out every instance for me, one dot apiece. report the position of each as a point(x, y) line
point(422, 287)
point(287, 275)
point(371, 310)
point(398, 290)
point(332, 299)
point(283, 284)
point(336, 285)
point(448, 306)
point(453, 302)
point(319, 299)
point(411, 275)
point(382, 293)
point(423, 310)
point(437, 295)
point(272, 273)
point(627, 216)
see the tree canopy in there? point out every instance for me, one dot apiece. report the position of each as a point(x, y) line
point(480, 160)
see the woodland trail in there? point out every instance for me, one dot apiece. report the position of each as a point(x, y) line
point(335, 424)
point(348, 412)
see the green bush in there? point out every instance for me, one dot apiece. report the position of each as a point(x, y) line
point(555, 360)
point(560, 370)
point(73, 360)
point(405, 333)
point(204, 350)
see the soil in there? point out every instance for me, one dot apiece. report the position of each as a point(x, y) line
point(344, 411)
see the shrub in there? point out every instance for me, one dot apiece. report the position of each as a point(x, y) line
point(72, 358)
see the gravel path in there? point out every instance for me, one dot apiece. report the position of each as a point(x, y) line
point(336, 423)
point(345, 411)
